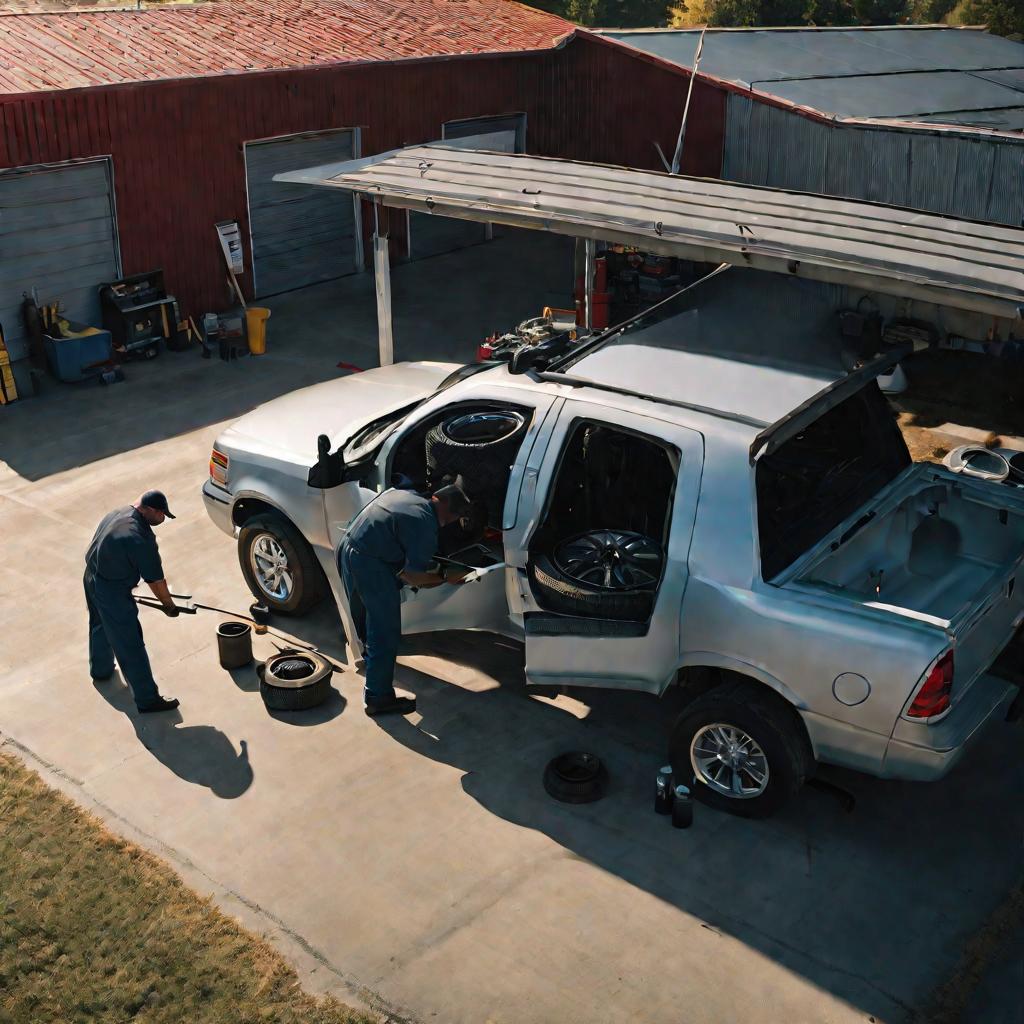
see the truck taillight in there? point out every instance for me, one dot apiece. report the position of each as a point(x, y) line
point(219, 467)
point(933, 697)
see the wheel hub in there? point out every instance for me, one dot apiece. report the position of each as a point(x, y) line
point(729, 761)
point(270, 566)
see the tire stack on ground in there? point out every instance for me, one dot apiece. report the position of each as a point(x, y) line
point(294, 680)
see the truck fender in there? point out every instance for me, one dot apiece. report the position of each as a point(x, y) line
point(710, 659)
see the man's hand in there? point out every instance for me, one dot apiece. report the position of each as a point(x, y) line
point(171, 611)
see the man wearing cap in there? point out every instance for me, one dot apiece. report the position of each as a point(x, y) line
point(389, 544)
point(123, 551)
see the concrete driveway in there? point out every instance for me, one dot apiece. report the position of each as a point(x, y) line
point(417, 864)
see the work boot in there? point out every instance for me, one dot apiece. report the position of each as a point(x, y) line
point(160, 704)
point(395, 706)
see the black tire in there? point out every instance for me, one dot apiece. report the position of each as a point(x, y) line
point(295, 680)
point(453, 449)
point(307, 577)
point(558, 593)
point(766, 719)
point(576, 777)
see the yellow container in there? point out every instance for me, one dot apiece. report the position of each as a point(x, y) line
point(256, 327)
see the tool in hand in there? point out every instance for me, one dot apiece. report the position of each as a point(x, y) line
point(191, 607)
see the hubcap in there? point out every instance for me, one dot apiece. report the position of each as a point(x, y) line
point(729, 761)
point(612, 559)
point(270, 566)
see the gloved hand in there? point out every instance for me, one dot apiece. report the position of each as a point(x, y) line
point(171, 611)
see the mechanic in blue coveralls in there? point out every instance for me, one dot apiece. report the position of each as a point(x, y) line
point(123, 551)
point(389, 544)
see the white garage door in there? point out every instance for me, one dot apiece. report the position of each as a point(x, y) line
point(430, 235)
point(57, 235)
point(300, 235)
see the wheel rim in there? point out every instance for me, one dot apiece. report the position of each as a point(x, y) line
point(729, 761)
point(270, 567)
point(482, 427)
point(611, 560)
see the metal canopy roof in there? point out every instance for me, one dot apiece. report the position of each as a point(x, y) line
point(867, 246)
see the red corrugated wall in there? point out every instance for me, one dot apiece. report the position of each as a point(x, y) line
point(177, 146)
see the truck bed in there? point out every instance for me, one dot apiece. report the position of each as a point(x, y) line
point(939, 545)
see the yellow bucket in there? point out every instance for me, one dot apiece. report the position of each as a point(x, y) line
point(256, 327)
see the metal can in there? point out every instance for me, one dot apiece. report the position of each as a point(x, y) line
point(663, 790)
point(682, 807)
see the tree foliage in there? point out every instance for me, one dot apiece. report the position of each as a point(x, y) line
point(1004, 17)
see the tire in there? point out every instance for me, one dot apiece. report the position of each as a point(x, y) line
point(556, 591)
point(760, 716)
point(295, 680)
point(461, 445)
point(305, 574)
point(576, 777)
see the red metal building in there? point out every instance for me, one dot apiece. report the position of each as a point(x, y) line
point(126, 135)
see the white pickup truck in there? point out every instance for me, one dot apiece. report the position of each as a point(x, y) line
point(651, 517)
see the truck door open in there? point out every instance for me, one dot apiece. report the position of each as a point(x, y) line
point(601, 547)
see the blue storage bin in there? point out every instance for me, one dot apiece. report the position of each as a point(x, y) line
point(70, 358)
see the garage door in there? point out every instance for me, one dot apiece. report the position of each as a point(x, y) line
point(300, 235)
point(430, 235)
point(57, 235)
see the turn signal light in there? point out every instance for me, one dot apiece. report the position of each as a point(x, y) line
point(933, 697)
point(219, 467)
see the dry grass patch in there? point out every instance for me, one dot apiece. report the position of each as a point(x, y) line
point(95, 929)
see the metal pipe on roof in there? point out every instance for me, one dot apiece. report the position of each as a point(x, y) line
point(678, 156)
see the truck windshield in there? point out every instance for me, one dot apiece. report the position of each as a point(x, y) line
point(821, 476)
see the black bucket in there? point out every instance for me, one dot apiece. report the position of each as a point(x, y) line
point(234, 644)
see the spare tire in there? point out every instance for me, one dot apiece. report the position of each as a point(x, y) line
point(479, 445)
point(605, 574)
point(295, 680)
point(576, 777)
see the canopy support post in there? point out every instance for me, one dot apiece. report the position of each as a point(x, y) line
point(382, 283)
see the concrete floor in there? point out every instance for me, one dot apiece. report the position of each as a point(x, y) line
point(418, 864)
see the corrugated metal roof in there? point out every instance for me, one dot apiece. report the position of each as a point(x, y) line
point(876, 248)
point(942, 75)
point(73, 50)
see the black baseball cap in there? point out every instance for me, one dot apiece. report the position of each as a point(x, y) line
point(157, 500)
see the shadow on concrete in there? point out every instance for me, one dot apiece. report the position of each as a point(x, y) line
point(835, 897)
point(245, 678)
point(330, 709)
point(443, 307)
point(200, 754)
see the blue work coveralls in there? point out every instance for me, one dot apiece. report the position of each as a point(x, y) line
point(397, 531)
point(123, 551)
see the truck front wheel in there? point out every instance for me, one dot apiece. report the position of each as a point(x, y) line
point(278, 565)
point(746, 754)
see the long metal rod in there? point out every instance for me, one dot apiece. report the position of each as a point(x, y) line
point(591, 344)
point(677, 159)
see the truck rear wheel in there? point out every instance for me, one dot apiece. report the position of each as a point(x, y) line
point(742, 748)
point(278, 565)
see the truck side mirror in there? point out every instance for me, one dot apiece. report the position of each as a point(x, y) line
point(329, 470)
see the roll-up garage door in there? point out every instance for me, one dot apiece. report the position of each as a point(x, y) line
point(430, 235)
point(300, 235)
point(57, 235)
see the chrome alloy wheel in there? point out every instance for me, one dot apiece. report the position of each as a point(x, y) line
point(611, 559)
point(270, 567)
point(729, 761)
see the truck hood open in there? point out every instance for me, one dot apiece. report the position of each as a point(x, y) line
point(337, 408)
